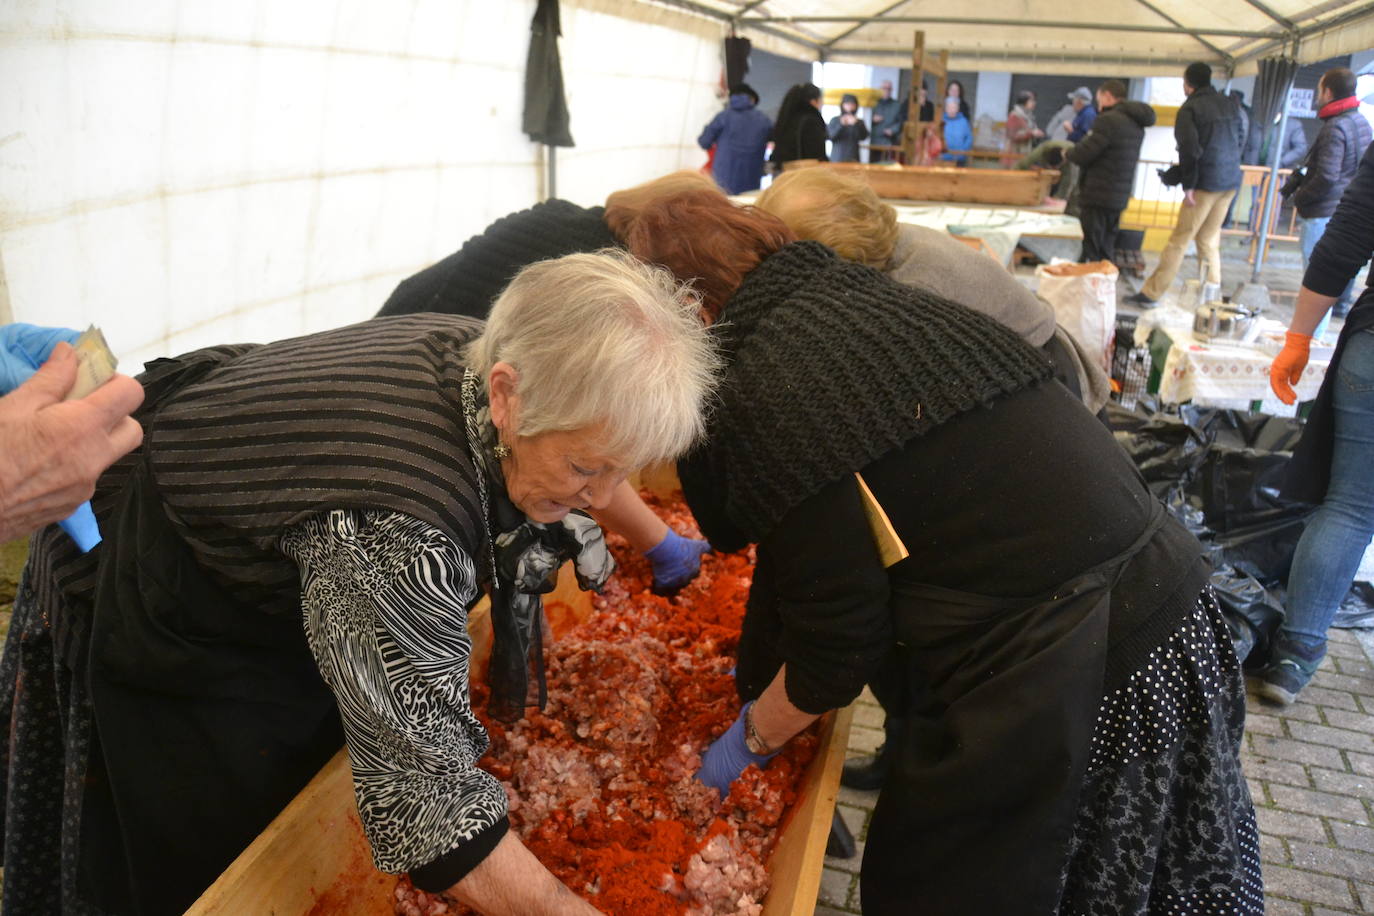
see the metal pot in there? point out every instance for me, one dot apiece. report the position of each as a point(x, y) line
point(1223, 321)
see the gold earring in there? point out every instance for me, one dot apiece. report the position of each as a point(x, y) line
point(501, 451)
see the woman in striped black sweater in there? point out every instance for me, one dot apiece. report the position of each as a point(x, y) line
point(165, 700)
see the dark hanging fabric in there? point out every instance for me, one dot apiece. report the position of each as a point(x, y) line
point(736, 60)
point(1271, 90)
point(546, 110)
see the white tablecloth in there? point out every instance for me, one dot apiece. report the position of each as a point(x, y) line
point(1226, 375)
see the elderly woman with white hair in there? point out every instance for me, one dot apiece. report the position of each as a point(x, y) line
point(369, 482)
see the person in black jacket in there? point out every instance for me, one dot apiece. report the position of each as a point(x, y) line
point(1108, 156)
point(1208, 132)
point(847, 131)
point(1331, 165)
point(799, 131)
point(1073, 705)
point(1331, 463)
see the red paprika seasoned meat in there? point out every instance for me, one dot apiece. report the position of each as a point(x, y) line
point(601, 783)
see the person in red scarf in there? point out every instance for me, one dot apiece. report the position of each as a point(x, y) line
point(1331, 164)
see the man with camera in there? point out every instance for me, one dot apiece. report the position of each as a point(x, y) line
point(1208, 133)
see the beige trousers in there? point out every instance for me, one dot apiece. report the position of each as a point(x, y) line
point(1200, 223)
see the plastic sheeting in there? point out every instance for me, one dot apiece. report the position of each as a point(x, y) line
point(1219, 472)
point(189, 172)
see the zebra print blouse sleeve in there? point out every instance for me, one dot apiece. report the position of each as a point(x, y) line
point(385, 599)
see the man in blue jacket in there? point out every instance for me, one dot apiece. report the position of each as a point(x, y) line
point(1084, 114)
point(958, 133)
point(1331, 165)
point(740, 134)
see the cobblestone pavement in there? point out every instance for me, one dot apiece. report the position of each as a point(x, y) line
point(1311, 772)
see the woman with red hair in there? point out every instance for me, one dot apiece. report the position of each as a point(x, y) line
point(921, 496)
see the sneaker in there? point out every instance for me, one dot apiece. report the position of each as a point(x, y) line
point(1282, 681)
point(1289, 671)
point(867, 774)
point(840, 844)
point(1141, 300)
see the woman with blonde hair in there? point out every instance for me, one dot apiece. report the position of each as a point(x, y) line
point(844, 213)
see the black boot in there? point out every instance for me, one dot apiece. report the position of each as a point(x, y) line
point(840, 844)
point(868, 773)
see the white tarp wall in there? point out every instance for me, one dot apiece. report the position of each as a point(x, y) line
point(188, 172)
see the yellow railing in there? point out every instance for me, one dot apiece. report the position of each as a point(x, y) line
point(1154, 207)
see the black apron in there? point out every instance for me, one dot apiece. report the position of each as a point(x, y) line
point(209, 716)
point(977, 813)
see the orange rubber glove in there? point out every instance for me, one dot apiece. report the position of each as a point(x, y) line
point(1288, 366)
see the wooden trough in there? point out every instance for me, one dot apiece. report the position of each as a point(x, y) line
point(313, 859)
point(1015, 187)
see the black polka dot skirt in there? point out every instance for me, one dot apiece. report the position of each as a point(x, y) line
point(1166, 825)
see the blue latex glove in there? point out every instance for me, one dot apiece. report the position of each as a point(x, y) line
point(81, 527)
point(25, 347)
point(728, 756)
point(676, 561)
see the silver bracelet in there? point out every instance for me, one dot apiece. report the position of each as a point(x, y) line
point(752, 741)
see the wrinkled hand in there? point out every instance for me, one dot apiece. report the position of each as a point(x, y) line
point(727, 757)
point(1288, 366)
point(53, 451)
point(676, 561)
point(25, 347)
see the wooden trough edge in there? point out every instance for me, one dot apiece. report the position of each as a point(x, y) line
point(314, 859)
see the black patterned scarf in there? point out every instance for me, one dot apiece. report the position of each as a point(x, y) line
point(523, 559)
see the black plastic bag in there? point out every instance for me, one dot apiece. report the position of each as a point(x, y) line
point(1219, 473)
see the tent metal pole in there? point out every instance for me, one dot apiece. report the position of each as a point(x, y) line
point(1356, 15)
point(983, 54)
point(1286, 23)
point(1200, 40)
point(553, 172)
point(1271, 189)
point(1020, 23)
point(723, 16)
point(869, 21)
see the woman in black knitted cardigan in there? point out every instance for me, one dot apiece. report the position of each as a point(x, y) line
point(1075, 708)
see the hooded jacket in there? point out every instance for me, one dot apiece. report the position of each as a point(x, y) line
point(958, 137)
point(1109, 153)
point(845, 138)
point(1209, 136)
point(740, 134)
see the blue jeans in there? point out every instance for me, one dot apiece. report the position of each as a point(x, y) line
point(1309, 231)
point(1338, 533)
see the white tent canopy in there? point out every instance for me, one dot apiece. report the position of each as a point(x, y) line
point(1118, 37)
